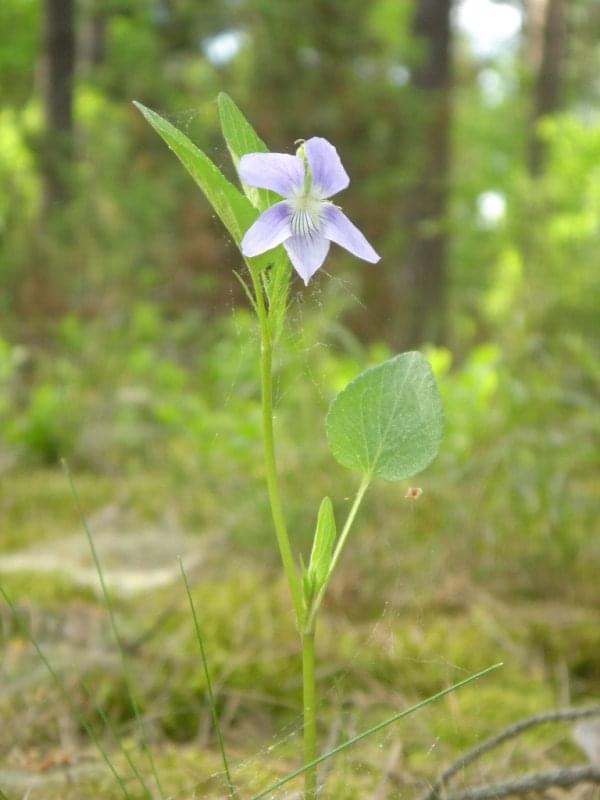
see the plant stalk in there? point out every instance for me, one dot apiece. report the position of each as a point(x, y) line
point(266, 381)
point(310, 715)
point(308, 636)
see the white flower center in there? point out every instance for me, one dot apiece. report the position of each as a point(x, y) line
point(306, 214)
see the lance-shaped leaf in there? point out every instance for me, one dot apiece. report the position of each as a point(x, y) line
point(241, 139)
point(388, 421)
point(234, 210)
point(322, 549)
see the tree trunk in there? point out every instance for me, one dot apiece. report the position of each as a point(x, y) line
point(549, 76)
point(91, 46)
point(57, 68)
point(426, 256)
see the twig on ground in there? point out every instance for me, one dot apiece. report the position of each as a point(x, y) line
point(559, 715)
point(562, 778)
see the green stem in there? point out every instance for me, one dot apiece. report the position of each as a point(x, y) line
point(310, 717)
point(350, 519)
point(308, 637)
point(266, 380)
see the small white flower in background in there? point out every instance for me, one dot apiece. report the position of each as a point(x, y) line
point(305, 222)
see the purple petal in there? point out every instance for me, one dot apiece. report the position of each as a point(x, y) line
point(272, 228)
point(277, 171)
point(307, 253)
point(328, 174)
point(338, 228)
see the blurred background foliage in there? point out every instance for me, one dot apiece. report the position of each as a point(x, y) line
point(471, 131)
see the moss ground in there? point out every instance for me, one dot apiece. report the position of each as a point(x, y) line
point(409, 613)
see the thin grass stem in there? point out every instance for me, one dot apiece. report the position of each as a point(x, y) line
point(111, 616)
point(117, 741)
point(375, 729)
point(66, 696)
point(209, 690)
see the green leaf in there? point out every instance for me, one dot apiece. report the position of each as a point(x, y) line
point(322, 549)
point(309, 589)
point(233, 209)
point(388, 422)
point(241, 138)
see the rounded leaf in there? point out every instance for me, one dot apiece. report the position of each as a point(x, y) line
point(388, 422)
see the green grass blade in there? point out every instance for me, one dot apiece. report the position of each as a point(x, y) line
point(66, 696)
point(118, 742)
point(115, 632)
point(2, 795)
point(375, 729)
point(211, 698)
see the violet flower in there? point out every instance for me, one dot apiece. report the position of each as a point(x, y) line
point(305, 222)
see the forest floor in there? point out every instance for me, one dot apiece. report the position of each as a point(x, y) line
point(398, 626)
